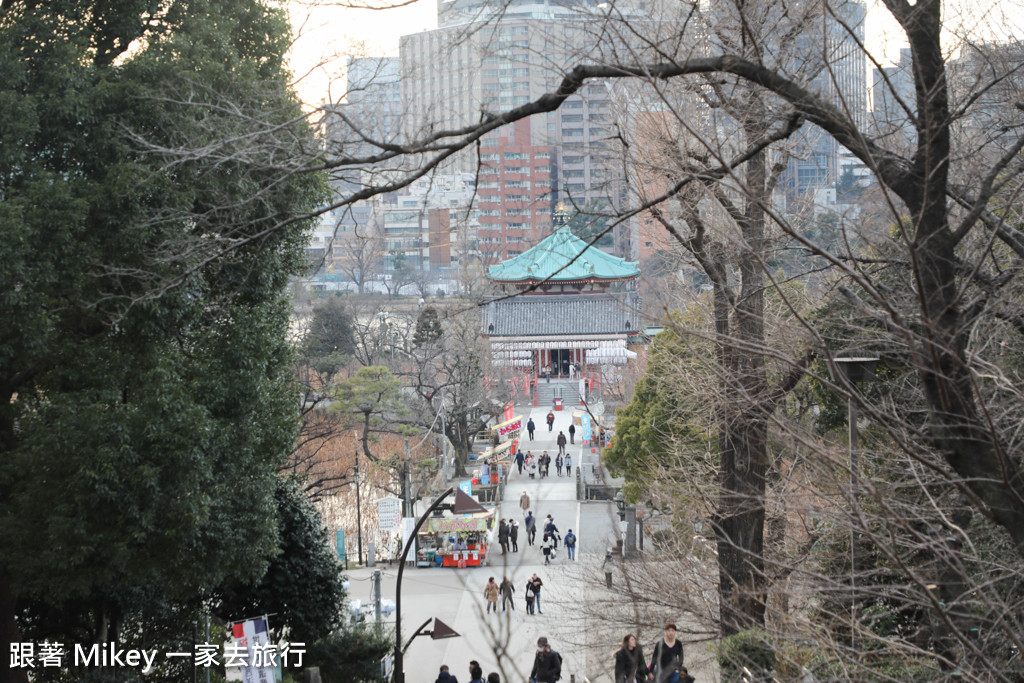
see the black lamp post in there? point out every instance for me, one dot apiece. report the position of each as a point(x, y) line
point(855, 370)
point(463, 504)
point(627, 513)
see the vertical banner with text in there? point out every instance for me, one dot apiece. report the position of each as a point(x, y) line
point(253, 638)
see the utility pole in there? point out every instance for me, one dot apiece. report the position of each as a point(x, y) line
point(407, 482)
point(376, 597)
point(359, 515)
point(444, 447)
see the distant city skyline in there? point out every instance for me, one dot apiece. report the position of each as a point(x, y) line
point(327, 34)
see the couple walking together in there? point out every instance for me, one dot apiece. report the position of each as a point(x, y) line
point(666, 661)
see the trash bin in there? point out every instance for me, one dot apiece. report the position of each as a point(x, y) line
point(558, 404)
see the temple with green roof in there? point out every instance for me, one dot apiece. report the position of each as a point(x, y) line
point(573, 303)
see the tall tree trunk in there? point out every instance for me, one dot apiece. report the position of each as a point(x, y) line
point(743, 428)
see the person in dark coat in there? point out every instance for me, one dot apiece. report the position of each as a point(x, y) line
point(572, 433)
point(531, 527)
point(552, 530)
point(503, 536)
point(513, 535)
point(558, 464)
point(530, 426)
point(520, 459)
point(547, 664)
point(551, 420)
point(445, 676)
point(630, 666)
point(537, 585)
point(561, 441)
point(529, 594)
point(667, 657)
point(507, 589)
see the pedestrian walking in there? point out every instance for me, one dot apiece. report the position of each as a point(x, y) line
point(445, 676)
point(551, 420)
point(485, 473)
point(558, 464)
point(537, 585)
point(572, 433)
point(476, 673)
point(507, 589)
point(513, 535)
point(667, 658)
point(520, 459)
point(532, 467)
point(491, 594)
point(550, 528)
point(572, 371)
point(547, 373)
point(570, 545)
point(529, 594)
point(547, 664)
point(531, 527)
point(547, 546)
point(530, 426)
point(561, 441)
point(545, 464)
point(493, 678)
point(524, 501)
point(568, 465)
point(630, 666)
point(503, 536)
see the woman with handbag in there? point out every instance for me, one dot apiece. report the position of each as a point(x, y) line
point(629, 662)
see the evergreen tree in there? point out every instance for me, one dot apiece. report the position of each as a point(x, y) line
point(150, 212)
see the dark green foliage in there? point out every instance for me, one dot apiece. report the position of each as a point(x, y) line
point(659, 422)
point(351, 656)
point(147, 230)
point(330, 341)
point(428, 327)
point(302, 586)
point(749, 649)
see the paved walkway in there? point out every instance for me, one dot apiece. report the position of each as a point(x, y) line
point(506, 642)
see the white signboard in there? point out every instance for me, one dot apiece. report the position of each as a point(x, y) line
point(389, 513)
point(408, 525)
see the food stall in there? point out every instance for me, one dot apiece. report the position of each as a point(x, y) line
point(455, 541)
point(508, 430)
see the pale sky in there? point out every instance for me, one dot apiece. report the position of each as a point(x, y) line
point(326, 34)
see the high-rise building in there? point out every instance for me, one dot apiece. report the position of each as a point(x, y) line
point(515, 194)
point(894, 102)
point(478, 64)
point(837, 67)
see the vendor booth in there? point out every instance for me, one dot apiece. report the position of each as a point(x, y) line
point(454, 541)
point(508, 430)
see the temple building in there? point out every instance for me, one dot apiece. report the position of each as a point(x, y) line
point(563, 304)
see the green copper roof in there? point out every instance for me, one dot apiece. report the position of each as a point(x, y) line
point(550, 260)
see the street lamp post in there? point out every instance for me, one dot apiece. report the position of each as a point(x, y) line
point(463, 505)
point(855, 370)
point(359, 514)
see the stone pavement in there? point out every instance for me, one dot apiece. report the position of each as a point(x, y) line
point(506, 642)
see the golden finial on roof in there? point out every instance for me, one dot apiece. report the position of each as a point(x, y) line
point(561, 216)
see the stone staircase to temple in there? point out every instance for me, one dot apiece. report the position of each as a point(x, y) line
point(567, 389)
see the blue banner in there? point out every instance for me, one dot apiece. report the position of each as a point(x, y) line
point(467, 487)
point(341, 544)
point(586, 428)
